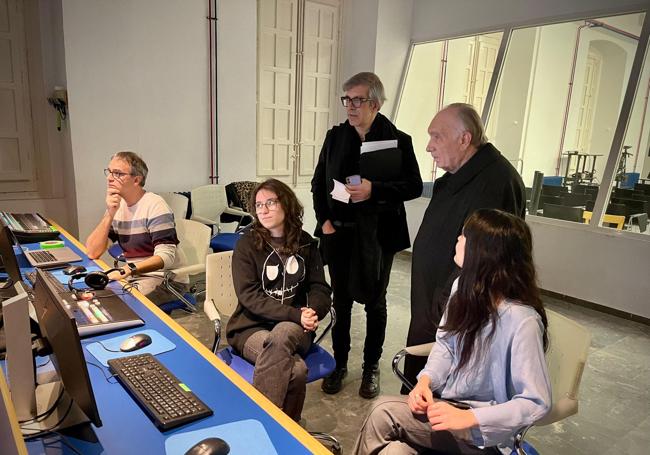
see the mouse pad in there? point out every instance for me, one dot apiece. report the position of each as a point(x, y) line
point(244, 437)
point(159, 344)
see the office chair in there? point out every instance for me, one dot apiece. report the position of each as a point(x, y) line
point(194, 240)
point(177, 203)
point(640, 220)
point(221, 300)
point(618, 220)
point(194, 246)
point(565, 359)
point(209, 202)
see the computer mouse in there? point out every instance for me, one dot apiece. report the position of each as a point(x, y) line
point(135, 342)
point(209, 446)
point(74, 269)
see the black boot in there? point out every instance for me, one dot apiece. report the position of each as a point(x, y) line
point(334, 382)
point(369, 381)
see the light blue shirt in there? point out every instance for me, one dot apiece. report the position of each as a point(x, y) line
point(509, 388)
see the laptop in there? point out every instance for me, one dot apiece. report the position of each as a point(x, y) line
point(39, 258)
point(52, 257)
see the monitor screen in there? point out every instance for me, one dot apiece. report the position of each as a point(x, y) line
point(60, 330)
point(8, 254)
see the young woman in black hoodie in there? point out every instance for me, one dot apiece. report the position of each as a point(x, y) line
point(282, 295)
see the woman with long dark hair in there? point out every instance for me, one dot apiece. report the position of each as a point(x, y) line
point(488, 357)
point(282, 295)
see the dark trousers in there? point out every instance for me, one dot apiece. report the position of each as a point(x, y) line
point(337, 250)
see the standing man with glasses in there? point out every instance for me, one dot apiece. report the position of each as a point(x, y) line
point(360, 238)
point(142, 223)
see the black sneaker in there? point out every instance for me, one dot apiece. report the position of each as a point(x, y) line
point(369, 382)
point(334, 382)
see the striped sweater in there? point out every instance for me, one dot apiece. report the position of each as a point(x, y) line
point(146, 229)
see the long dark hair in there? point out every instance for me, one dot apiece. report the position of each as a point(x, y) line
point(498, 264)
point(293, 212)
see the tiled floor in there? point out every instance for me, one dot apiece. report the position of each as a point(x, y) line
point(614, 414)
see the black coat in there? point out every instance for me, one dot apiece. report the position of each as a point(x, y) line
point(339, 158)
point(268, 294)
point(487, 180)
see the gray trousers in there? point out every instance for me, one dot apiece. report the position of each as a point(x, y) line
point(280, 371)
point(391, 429)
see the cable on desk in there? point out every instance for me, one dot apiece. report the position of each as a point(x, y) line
point(107, 349)
point(106, 378)
point(45, 414)
point(40, 433)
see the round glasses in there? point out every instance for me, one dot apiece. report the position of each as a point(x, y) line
point(270, 204)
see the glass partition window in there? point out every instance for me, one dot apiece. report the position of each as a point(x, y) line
point(439, 73)
point(557, 105)
point(629, 195)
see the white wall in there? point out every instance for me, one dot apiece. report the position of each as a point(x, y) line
point(137, 80)
point(237, 89)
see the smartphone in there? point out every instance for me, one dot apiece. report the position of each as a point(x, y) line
point(353, 180)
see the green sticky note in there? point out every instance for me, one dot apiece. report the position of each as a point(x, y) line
point(184, 387)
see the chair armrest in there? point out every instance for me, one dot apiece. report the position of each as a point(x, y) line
point(235, 211)
point(187, 270)
point(211, 311)
point(420, 350)
point(200, 219)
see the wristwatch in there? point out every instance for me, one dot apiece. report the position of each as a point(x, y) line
point(132, 266)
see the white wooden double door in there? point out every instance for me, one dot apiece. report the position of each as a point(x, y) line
point(297, 84)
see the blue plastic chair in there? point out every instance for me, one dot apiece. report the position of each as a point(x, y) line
point(221, 300)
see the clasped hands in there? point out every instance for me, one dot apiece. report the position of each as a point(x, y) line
point(360, 192)
point(442, 416)
point(308, 319)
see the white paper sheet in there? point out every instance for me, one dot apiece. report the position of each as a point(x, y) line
point(339, 193)
point(373, 146)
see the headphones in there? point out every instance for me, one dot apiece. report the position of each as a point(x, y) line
point(96, 281)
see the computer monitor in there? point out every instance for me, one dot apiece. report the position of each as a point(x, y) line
point(8, 255)
point(68, 399)
point(60, 330)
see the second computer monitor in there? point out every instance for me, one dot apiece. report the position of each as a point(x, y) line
point(60, 330)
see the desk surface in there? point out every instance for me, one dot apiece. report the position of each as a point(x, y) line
point(126, 429)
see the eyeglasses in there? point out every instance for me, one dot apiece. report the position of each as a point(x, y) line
point(356, 102)
point(117, 175)
point(270, 204)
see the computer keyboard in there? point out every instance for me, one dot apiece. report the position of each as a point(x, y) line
point(166, 400)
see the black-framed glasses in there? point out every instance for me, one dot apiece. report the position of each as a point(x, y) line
point(117, 175)
point(356, 102)
point(270, 204)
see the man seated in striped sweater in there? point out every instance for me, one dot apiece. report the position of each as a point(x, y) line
point(142, 223)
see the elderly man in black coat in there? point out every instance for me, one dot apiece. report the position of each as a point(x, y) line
point(477, 176)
